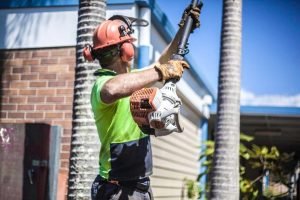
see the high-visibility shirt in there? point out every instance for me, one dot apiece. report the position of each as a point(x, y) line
point(125, 150)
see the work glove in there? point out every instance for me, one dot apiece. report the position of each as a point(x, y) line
point(194, 12)
point(172, 70)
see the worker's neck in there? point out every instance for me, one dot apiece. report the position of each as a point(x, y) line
point(119, 67)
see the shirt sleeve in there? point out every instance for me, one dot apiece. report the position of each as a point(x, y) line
point(95, 96)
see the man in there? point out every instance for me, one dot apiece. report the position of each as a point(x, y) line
point(125, 156)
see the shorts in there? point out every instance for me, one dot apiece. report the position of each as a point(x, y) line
point(104, 190)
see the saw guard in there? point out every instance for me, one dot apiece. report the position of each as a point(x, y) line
point(170, 128)
point(144, 101)
point(157, 109)
point(165, 119)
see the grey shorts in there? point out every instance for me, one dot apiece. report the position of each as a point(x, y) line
point(104, 190)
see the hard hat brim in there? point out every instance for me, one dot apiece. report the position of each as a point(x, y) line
point(108, 44)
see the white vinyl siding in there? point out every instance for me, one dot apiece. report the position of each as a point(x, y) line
point(175, 158)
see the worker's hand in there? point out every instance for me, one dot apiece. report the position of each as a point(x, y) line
point(194, 12)
point(173, 69)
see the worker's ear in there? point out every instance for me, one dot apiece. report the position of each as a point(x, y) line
point(88, 53)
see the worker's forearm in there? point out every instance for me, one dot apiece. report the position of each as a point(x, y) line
point(125, 84)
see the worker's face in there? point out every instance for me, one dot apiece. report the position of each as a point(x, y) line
point(121, 67)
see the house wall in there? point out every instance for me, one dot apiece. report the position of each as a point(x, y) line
point(37, 87)
point(175, 158)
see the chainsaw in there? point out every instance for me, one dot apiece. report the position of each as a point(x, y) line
point(156, 111)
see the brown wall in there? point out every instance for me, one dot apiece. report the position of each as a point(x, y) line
point(37, 86)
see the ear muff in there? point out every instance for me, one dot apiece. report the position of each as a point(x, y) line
point(88, 53)
point(127, 51)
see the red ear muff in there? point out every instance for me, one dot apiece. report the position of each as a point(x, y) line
point(87, 53)
point(127, 52)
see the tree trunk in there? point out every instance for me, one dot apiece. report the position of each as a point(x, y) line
point(85, 144)
point(225, 171)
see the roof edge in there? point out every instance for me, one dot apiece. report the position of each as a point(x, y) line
point(264, 110)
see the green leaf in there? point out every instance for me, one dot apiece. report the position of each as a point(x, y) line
point(256, 149)
point(243, 148)
point(245, 185)
point(209, 143)
point(192, 189)
point(264, 150)
point(207, 163)
point(275, 151)
point(245, 155)
point(247, 138)
point(242, 170)
point(209, 152)
point(255, 193)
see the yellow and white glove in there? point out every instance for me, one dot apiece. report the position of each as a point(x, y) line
point(172, 69)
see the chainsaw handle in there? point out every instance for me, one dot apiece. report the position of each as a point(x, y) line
point(182, 47)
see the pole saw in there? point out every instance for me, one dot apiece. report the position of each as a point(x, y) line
point(156, 111)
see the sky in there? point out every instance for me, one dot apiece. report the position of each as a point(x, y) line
point(270, 68)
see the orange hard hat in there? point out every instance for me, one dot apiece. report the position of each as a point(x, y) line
point(115, 31)
point(111, 32)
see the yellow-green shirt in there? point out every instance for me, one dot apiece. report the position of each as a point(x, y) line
point(125, 150)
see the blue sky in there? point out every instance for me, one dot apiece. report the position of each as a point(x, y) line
point(271, 46)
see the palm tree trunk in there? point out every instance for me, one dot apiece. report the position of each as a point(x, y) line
point(85, 143)
point(225, 171)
